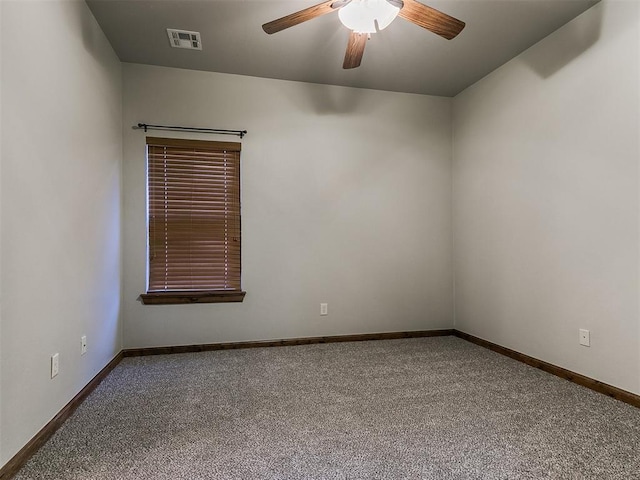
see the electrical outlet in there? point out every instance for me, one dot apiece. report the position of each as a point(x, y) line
point(83, 345)
point(324, 309)
point(54, 365)
point(585, 338)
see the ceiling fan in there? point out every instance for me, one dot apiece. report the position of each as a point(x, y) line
point(364, 17)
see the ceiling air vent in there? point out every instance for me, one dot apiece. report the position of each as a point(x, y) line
point(184, 39)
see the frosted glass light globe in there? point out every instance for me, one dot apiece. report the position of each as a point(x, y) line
point(361, 15)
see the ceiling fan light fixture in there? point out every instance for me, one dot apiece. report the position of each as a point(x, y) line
point(361, 16)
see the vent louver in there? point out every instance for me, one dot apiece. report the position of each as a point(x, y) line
point(184, 39)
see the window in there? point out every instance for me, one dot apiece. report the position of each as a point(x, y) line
point(193, 212)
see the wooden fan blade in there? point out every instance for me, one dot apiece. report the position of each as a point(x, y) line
point(302, 16)
point(433, 20)
point(355, 49)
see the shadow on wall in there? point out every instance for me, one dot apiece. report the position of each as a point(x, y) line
point(333, 100)
point(94, 41)
point(327, 98)
point(548, 58)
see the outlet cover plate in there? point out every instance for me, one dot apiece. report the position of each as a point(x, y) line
point(585, 337)
point(54, 364)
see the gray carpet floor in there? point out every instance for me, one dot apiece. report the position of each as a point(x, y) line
point(430, 408)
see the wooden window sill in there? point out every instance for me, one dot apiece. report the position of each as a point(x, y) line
point(177, 298)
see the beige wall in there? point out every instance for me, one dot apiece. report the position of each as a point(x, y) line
point(60, 209)
point(546, 196)
point(345, 200)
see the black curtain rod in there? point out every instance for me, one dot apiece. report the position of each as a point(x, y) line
point(145, 127)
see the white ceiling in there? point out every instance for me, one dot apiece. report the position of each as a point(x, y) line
point(402, 58)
